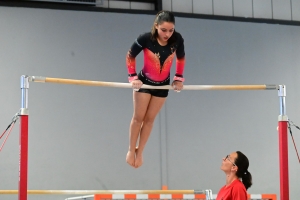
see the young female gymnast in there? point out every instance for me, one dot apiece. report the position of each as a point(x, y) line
point(238, 178)
point(160, 47)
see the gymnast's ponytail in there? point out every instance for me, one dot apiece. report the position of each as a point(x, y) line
point(242, 163)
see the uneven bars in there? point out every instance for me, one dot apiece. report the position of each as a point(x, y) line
point(87, 192)
point(128, 85)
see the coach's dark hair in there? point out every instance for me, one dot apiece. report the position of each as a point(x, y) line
point(163, 16)
point(242, 163)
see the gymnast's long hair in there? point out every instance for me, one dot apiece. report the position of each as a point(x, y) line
point(242, 163)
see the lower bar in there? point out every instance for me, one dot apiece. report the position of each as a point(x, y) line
point(105, 192)
point(283, 160)
point(23, 168)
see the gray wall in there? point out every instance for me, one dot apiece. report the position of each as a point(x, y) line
point(78, 136)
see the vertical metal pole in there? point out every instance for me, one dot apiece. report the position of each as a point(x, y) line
point(23, 144)
point(283, 145)
point(163, 148)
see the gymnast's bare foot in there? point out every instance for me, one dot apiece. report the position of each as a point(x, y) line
point(138, 158)
point(130, 158)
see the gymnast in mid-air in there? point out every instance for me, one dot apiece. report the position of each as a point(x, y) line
point(160, 46)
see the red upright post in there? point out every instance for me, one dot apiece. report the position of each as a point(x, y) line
point(283, 160)
point(23, 164)
point(283, 146)
point(23, 157)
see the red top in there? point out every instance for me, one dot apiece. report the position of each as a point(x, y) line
point(235, 191)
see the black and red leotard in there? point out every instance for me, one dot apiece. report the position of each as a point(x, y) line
point(157, 59)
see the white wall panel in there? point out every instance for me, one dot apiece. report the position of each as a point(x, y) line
point(269, 9)
point(182, 6)
point(142, 6)
point(222, 7)
point(202, 7)
point(167, 4)
point(104, 3)
point(282, 9)
point(296, 10)
point(242, 8)
point(119, 4)
point(262, 9)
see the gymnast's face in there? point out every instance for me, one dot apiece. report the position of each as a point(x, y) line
point(165, 30)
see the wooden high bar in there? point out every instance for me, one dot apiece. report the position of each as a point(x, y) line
point(128, 85)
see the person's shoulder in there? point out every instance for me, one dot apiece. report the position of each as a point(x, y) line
point(238, 183)
point(143, 39)
point(146, 35)
point(238, 190)
point(178, 35)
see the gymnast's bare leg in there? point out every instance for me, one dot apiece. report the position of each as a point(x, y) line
point(146, 107)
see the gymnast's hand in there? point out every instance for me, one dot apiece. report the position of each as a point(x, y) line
point(177, 85)
point(136, 84)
